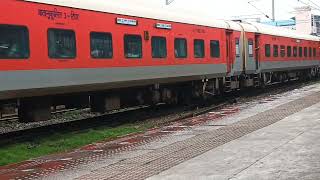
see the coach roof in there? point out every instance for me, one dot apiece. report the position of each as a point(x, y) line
point(280, 31)
point(117, 7)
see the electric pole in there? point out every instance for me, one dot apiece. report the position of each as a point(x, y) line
point(273, 11)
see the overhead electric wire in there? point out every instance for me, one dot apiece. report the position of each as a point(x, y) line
point(307, 4)
point(314, 4)
point(168, 2)
point(259, 10)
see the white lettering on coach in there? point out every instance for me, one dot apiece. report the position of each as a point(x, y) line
point(131, 22)
point(163, 26)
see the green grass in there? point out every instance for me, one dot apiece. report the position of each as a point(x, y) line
point(62, 142)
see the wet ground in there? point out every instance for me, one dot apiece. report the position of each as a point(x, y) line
point(243, 140)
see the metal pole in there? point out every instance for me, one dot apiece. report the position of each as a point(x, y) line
point(273, 11)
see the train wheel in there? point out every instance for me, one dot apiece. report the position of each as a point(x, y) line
point(34, 109)
point(103, 103)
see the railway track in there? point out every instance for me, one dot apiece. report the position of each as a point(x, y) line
point(14, 117)
point(11, 124)
point(69, 121)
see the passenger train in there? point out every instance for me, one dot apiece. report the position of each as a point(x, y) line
point(79, 52)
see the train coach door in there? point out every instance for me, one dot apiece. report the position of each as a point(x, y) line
point(229, 50)
point(257, 50)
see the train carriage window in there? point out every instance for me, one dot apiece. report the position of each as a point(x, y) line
point(215, 48)
point(275, 50)
point(267, 49)
point(289, 51)
point(14, 42)
point(250, 44)
point(198, 48)
point(295, 51)
point(133, 46)
point(237, 47)
point(101, 45)
point(180, 48)
point(314, 52)
point(282, 51)
point(310, 52)
point(61, 43)
point(300, 51)
point(305, 52)
point(159, 47)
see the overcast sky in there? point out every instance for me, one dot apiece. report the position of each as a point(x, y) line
point(226, 9)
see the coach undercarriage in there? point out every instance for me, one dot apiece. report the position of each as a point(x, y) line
point(40, 108)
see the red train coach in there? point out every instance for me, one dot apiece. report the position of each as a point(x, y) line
point(285, 54)
point(75, 53)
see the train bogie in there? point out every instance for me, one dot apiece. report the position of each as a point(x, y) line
point(34, 109)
